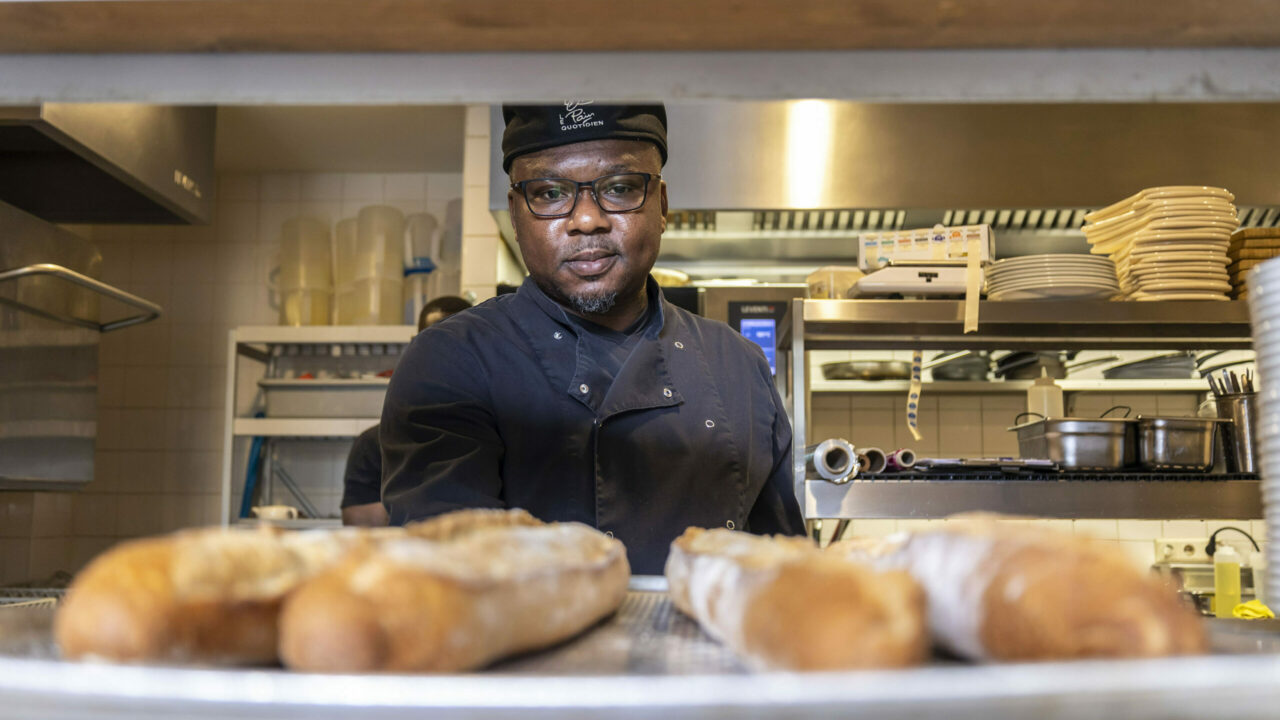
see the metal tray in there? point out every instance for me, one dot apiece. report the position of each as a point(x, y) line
point(650, 661)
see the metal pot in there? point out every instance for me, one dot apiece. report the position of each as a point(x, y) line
point(1176, 443)
point(1079, 443)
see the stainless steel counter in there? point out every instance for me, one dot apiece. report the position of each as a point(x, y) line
point(650, 661)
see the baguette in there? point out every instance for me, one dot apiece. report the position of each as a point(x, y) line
point(208, 596)
point(454, 525)
point(411, 605)
point(780, 603)
point(1015, 592)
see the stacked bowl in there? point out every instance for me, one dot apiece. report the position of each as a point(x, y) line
point(1052, 277)
point(1263, 284)
point(1168, 243)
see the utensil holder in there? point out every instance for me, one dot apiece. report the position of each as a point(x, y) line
point(1239, 437)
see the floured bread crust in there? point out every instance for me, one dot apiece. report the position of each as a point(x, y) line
point(1018, 592)
point(456, 524)
point(203, 596)
point(781, 603)
point(408, 605)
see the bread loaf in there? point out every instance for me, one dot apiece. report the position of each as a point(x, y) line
point(451, 526)
point(780, 603)
point(209, 596)
point(998, 591)
point(410, 605)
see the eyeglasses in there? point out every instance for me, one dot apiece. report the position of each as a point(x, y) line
point(557, 197)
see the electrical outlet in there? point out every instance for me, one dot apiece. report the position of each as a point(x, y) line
point(1182, 550)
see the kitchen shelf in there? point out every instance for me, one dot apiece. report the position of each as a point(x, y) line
point(1137, 499)
point(349, 360)
point(1011, 386)
point(302, 427)
point(1066, 325)
point(299, 524)
point(336, 334)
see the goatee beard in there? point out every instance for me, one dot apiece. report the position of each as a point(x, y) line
point(597, 304)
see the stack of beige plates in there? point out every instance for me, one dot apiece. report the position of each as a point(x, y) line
point(1168, 243)
point(1052, 277)
point(1249, 247)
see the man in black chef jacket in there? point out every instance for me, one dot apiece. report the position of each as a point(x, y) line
point(585, 396)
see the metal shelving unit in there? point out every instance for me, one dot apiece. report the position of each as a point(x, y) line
point(263, 347)
point(939, 325)
point(1008, 386)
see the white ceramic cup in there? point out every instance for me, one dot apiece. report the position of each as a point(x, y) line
point(276, 512)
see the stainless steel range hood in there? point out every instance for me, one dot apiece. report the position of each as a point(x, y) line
point(108, 162)
point(768, 189)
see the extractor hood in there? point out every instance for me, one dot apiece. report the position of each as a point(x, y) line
point(773, 189)
point(108, 162)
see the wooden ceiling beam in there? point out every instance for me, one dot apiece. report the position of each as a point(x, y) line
point(347, 26)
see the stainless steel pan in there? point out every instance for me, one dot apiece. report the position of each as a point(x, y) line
point(867, 370)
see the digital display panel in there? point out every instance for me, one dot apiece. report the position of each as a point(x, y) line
point(763, 332)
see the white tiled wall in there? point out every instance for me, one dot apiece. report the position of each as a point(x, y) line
point(1134, 538)
point(162, 385)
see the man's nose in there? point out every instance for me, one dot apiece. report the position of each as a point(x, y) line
point(587, 217)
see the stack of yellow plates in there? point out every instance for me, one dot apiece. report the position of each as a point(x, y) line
point(1168, 243)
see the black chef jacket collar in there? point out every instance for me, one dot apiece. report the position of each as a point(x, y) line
point(644, 381)
point(554, 310)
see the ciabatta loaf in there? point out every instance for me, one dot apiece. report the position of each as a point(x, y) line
point(1001, 591)
point(209, 596)
point(412, 605)
point(780, 603)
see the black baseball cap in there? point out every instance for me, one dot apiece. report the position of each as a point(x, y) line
point(530, 128)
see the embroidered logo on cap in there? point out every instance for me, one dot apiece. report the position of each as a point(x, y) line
point(576, 117)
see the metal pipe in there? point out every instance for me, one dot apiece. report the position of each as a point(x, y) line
point(833, 460)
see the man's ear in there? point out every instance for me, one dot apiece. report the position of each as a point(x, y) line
point(513, 202)
point(662, 194)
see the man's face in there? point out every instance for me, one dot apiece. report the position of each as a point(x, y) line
point(590, 258)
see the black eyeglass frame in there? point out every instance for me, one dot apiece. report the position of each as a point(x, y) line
point(577, 192)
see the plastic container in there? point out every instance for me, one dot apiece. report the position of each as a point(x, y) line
point(417, 293)
point(306, 255)
point(422, 242)
point(379, 244)
point(305, 306)
point(344, 251)
point(1044, 397)
point(1258, 566)
point(323, 398)
point(833, 282)
point(1226, 580)
point(370, 302)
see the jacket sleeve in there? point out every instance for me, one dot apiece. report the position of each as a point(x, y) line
point(440, 445)
point(776, 510)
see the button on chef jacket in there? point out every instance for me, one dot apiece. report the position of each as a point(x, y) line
point(514, 403)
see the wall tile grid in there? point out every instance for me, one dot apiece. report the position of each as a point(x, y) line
point(162, 385)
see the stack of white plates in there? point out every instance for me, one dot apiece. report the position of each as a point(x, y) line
point(1264, 315)
point(1168, 243)
point(1052, 277)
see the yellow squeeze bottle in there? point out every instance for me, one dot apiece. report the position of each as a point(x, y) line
point(1226, 580)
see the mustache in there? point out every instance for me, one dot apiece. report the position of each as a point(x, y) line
point(606, 245)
